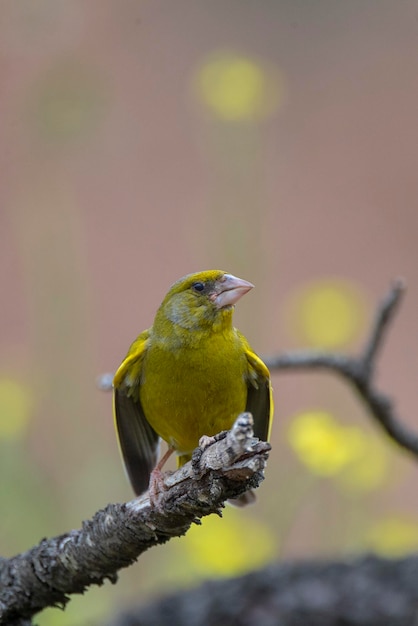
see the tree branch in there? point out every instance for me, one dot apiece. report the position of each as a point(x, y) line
point(117, 535)
point(359, 371)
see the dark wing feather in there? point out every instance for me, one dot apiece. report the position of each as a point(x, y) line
point(259, 404)
point(259, 395)
point(138, 441)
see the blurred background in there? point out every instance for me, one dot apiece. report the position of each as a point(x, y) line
point(141, 141)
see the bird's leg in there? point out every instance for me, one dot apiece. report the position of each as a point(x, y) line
point(156, 482)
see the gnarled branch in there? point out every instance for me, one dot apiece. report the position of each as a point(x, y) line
point(117, 535)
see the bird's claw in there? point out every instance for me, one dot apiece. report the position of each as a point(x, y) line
point(205, 442)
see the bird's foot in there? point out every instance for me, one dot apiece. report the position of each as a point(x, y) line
point(204, 442)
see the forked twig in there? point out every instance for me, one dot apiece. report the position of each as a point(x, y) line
point(359, 371)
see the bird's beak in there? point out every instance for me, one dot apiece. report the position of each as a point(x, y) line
point(228, 290)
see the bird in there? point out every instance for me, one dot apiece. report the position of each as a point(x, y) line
point(187, 376)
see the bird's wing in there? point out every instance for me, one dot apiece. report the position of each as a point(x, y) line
point(259, 396)
point(138, 441)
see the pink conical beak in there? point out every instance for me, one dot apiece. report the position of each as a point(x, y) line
point(229, 289)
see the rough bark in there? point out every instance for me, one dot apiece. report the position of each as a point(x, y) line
point(116, 536)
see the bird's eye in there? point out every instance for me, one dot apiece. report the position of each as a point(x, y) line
point(198, 286)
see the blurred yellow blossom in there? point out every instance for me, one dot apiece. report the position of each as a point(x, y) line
point(327, 313)
point(228, 546)
point(394, 536)
point(237, 88)
point(322, 444)
point(15, 406)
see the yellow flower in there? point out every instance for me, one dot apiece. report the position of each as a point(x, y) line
point(322, 444)
point(327, 313)
point(228, 546)
point(394, 536)
point(236, 88)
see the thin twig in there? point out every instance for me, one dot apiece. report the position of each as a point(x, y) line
point(359, 370)
point(384, 315)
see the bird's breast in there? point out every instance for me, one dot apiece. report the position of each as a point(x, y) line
point(194, 391)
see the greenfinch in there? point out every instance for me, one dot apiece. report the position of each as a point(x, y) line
point(191, 374)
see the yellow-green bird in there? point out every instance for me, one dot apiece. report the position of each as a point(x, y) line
point(191, 374)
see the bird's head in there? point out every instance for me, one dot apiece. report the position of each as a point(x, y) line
point(202, 299)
